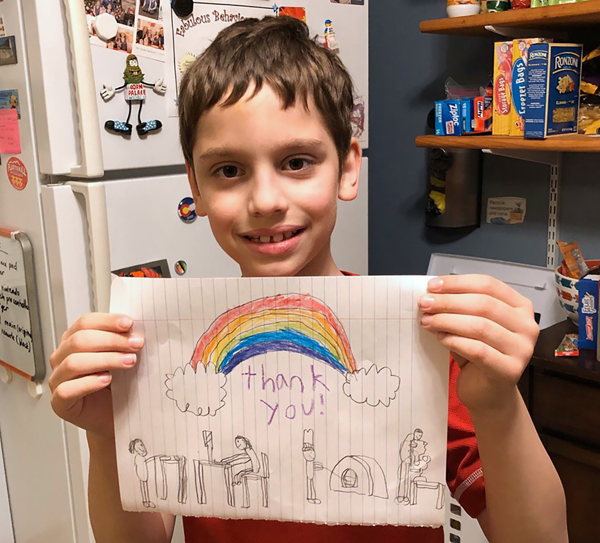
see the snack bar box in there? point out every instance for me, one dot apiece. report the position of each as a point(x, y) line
point(553, 79)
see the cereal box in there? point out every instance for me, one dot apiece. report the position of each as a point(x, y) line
point(553, 79)
point(503, 60)
point(520, 50)
point(448, 121)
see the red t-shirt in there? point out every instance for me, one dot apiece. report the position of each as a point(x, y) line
point(463, 475)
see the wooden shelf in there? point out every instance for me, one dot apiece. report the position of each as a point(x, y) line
point(561, 17)
point(570, 144)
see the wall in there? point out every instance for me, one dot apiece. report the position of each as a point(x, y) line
point(407, 74)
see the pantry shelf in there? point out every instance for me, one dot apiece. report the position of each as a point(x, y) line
point(561, 17)
point(569, 144)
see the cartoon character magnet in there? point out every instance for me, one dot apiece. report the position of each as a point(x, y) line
point(135, 91)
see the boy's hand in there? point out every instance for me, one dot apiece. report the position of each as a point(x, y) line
point(88, 350)
point(490, 330)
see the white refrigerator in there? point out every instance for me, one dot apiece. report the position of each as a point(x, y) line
point(93, 200)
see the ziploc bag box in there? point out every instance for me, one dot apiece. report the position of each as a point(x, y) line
point(518, 89)
point(448, 121)
point(553, 79)
point(588, 312)
point(503, 61)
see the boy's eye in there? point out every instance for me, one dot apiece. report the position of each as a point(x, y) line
point(296, 164)
point(228, 171)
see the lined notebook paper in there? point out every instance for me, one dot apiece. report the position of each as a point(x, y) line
point(303, 399)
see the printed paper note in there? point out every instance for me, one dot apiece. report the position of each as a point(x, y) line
point(304, 399)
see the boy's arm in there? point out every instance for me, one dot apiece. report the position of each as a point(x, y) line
point(490, 330)
point(109, 522)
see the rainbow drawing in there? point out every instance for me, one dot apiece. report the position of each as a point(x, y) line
point(298, 323)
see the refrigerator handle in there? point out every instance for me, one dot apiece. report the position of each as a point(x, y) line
point(85, 94)
point(95, 205)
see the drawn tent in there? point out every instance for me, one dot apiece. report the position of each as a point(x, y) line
point(344, 28)
point(359, 474)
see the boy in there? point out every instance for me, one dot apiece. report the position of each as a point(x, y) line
point(266, 135)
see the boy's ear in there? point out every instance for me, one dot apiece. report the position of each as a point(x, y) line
point(200, 211)
point(348, 188)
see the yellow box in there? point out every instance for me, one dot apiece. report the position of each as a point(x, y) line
point(518, 86)
point(503, 61)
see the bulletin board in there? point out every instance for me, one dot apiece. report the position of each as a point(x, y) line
point(20, 335)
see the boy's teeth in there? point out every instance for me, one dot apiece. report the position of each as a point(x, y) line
point(272, 239)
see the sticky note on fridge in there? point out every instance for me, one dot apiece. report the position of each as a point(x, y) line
point(309, 399)
point(10, 139)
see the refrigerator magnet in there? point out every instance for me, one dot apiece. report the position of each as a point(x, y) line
point(134, 88)
point(8, 50)
point(17, 173)
point(182, 8)
point(155, 269)
point(9, 99)
point(106, 26)
point(180, 267)
point(187, 210)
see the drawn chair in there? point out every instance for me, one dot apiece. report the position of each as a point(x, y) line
point(263, 476)
point(421, 482)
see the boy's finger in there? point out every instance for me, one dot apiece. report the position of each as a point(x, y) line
point(90, 341)
point(493, 363)
point(478, 328)
point(109, 322)
point(77, 365)
point(67, 394)
point(479, 305)
point(477, 284)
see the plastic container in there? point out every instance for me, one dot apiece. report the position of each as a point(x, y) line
point(498, 5)
point(460, 8)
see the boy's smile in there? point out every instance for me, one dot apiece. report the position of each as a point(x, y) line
point(268, 179)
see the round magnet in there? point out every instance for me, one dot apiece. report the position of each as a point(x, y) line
point(106, 26)
point(187, 210)
point(17, 173)
point(182, 8)
point(180, 267)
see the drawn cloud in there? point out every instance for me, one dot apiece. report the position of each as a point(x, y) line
point(372, 386)
point(198, 391)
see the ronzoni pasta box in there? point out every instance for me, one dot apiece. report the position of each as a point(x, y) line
point(518, 89)
point(553, 78)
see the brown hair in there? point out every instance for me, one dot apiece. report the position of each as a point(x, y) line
point(277, 51)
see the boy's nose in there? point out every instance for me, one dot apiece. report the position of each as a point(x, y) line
point(266, 197)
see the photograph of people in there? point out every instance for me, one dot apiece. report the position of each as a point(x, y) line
point(150, 34)
point(150, 8)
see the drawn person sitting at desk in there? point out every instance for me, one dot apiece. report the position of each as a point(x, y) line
point(248, 455)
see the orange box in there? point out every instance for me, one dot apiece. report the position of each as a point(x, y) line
point(503, 63)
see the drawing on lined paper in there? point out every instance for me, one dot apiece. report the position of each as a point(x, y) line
point(308, 396)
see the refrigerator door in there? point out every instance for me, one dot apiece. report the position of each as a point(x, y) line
point(71, 67)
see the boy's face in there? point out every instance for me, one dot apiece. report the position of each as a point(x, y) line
point(268, 179)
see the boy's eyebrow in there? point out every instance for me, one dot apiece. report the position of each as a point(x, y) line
point(290, 145)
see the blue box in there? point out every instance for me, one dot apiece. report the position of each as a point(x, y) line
point(468, 115)
point(448, 121)
point(588, 313)
point(553, 79)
